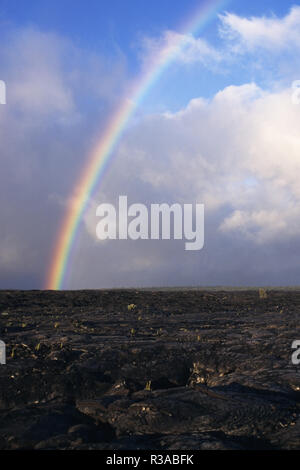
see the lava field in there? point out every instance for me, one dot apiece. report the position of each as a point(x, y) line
point(176, 369)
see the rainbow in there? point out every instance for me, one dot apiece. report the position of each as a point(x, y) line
point(99, 158)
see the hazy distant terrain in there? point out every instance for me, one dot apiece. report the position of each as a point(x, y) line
point(150, 369)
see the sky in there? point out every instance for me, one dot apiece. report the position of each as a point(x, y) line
point(220, 126)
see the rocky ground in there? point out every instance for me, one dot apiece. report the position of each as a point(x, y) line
point(170, 369)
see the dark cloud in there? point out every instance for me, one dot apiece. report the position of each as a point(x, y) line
point(57, 98)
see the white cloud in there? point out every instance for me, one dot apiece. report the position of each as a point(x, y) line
point(238, 153)
point(185, 49)
point(271, 33)
point(191, 49)
point(259, 226)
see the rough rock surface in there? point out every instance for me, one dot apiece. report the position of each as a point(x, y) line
point(169, 369)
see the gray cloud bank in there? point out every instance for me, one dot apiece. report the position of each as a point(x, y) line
point(57, 98)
